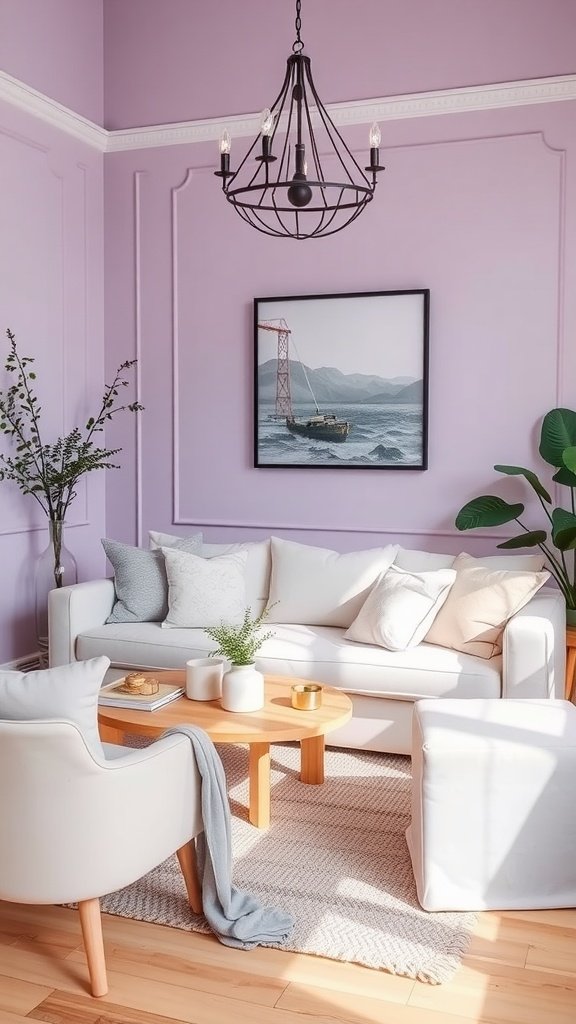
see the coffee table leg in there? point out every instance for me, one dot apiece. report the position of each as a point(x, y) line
point(259, 799)
point(312, 760)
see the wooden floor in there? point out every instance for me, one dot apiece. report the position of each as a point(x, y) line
point(521, 968)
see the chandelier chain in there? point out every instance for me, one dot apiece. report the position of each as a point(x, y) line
point(298, 45)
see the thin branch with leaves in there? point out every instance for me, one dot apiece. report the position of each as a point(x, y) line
point(50, 471)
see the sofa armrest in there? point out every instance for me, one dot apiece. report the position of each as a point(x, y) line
point(534, 648)
point(71, 610)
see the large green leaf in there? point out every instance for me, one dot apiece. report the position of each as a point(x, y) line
point(529, 476)
point(487, 510)
point(563, 529)
point(565, 477)
point(525, 540)
point(569, 459)
point(558, 432)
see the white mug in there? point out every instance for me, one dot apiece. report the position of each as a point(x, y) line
point(204, 678)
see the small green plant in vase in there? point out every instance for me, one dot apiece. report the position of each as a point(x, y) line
point(558, 541)
point(242, 684)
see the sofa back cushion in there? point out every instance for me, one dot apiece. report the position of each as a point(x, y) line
point(319, 587)
point(258, 567)
point(191, 542)
point(428, 561)
point(258, 564)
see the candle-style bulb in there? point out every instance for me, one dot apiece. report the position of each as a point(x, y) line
point(267, 123)
point(225, 141)
point(375, 136)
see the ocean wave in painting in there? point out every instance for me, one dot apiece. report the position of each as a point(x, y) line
point(379, 436)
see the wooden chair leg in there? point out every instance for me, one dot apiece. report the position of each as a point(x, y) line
point(91, 923)
point(189, 868)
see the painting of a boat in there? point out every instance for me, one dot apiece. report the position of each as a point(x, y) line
point(341, 381)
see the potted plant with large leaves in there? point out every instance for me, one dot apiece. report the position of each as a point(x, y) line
point(558, 541)
point(51, 471)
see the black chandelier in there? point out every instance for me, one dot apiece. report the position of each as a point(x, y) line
point(296, 199)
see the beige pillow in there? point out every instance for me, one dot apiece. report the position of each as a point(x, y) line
point(479, 605)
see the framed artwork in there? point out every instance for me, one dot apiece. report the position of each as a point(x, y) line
point(341, 381)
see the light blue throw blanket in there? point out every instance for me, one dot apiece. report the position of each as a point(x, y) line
point(236, 917)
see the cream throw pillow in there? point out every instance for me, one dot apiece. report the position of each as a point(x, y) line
point(479, 605)
point(318, 587)
point(205, 591)
point(400, 608)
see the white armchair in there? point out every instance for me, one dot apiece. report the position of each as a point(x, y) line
point(75, 827)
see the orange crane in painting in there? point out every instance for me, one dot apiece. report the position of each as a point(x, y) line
point(322, 426)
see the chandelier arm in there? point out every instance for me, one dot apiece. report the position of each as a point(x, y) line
point(281, 97)
point(331, 128)
point(285, 155)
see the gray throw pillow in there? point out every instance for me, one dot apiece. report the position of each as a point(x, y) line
point(67, 693)
point(140, 581)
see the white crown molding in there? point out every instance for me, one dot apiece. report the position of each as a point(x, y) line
point(18, 94)
point(392, 108)
point(425, 104)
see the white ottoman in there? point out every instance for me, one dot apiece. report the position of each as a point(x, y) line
point(494, 804)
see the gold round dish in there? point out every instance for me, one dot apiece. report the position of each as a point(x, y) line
point(306, 696)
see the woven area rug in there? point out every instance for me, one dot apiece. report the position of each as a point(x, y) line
point(335, 857)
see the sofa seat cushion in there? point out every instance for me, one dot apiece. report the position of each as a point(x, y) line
point(314, 652)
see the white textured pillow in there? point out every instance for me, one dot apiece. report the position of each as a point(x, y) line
point(318, 587)
point(479, 605)
point(193, 542)
point(205, 591)
point(401, 607)
point(258, 568)
point(67, 693)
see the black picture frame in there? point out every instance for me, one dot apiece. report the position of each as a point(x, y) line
point(313, 410)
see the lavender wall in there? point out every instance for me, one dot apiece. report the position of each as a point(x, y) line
point(480, 208)
point(56, 46)
point(51, 278)
point(175, 60)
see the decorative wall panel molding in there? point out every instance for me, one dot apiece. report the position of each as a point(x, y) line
point(183, 517)
point(424, 104)
point(68, 205)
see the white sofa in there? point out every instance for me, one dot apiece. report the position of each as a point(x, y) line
point(383, 684)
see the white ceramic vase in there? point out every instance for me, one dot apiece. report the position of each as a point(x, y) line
point(242, 689)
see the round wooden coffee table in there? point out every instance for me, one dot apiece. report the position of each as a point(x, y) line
point(276, 722)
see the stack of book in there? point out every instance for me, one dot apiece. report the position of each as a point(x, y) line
point(111, 696)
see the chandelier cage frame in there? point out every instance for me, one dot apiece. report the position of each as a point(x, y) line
point(283, 204)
